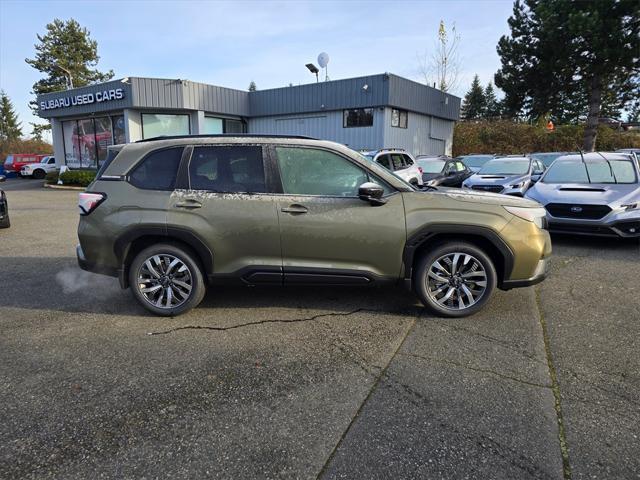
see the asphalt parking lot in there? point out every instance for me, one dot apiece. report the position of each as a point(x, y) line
point(311, 383)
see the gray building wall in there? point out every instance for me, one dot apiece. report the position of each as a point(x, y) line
point(324, 125)
point(424, 134)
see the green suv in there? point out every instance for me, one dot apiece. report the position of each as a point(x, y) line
point(168, 216)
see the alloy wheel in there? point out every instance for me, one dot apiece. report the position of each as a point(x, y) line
point(456, 281)
point(164, 281)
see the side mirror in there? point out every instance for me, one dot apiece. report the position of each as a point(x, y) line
point(372, 193)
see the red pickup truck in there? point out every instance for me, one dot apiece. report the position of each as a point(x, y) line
point(15, 161)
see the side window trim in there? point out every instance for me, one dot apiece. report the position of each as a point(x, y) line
point(274, 160)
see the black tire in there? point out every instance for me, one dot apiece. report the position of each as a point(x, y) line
point(165, 280)
point(469, 274)
point(38, 174)
point(5, 222)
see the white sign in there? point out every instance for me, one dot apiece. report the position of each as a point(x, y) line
point(84, 99)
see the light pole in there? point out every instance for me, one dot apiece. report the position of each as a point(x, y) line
point(68, 76)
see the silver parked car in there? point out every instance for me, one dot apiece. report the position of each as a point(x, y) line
point(507, 175)
point(591, 194)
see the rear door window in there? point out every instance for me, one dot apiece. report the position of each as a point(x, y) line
point(384, 161)
point(397, 161)
point(158, 170)
point(227, 169)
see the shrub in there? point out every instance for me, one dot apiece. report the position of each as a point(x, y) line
point(507, 137)
point(79, 178)
point(51, 178)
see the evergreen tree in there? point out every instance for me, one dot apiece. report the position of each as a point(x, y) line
point(492, 105)
point(252, 86)
point(38, 129)
point(473, 104)
point(66, 46)
point(571, 58)
point(10, 129)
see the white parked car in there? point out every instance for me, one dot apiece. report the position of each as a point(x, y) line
point(39, 170)
point(398, 161)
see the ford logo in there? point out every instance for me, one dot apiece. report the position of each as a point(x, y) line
point(576, 209)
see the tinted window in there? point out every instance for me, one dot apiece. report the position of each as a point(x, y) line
point(158, 170)
point(407, 161)
point(227, 169)
point(358, 117)
point(306, 171)
point(384, 161)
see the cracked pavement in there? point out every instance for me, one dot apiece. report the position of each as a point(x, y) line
point(311, 383)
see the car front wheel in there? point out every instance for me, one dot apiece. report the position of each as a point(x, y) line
point(455, 279)
point(166, 280)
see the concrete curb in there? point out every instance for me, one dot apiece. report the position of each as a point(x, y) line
point(65, 187)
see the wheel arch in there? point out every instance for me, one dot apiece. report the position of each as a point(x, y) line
point(134, 240)
point(482, 237)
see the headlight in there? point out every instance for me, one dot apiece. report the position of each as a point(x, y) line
point(535, 215)
point(518, 185)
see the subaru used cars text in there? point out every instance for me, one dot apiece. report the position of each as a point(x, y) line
point(168, 216)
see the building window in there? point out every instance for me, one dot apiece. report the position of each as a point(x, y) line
point(86, 141)
point(399, 118)
point(212, 126)
point(358, 117)
point(162, 124)
point(119, 135)
point(233, 126)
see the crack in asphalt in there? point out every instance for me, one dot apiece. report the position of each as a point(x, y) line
point(373, 388)
point(274, 320)
point(555, 388)
point(477, 369)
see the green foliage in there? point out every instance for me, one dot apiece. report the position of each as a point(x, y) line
point(572, 58)
point(508, 137)
point(51, 178)
point(79, 178)
point(38, 129)
point(474, 104)
point(66, 45)
point(9, 125)
point(252, 86)
point(492, 107)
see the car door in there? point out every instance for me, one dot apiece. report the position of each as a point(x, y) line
point(449, 175)
point(223, 198)
point(328, 234)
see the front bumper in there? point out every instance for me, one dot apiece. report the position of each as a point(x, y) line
point(538, 276)
point(616, 228)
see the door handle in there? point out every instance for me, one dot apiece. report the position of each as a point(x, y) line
point(188, 204)
point(295, 209)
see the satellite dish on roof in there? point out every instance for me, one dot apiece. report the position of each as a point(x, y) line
point(323, 59)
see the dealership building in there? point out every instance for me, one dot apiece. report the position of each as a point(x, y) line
point(365, 113)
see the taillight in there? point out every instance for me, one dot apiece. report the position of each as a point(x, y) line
point(88, 202)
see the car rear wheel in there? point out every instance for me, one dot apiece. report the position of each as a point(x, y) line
point(166, 280)
point(38, 174)
point(455, 279)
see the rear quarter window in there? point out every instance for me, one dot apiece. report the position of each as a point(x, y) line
point(158, 170)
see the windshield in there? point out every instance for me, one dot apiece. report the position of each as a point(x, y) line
point(612, 171)
point(475, 160)
point(9, 160)
point(431, 166)
point(44, 160)
point(505, 167)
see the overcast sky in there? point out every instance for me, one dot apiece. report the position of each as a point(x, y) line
point(232, 43)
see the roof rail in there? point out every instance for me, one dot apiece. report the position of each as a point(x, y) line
point(224, 135)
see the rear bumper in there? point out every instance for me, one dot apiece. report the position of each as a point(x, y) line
point(84, 264)
point(539, 275)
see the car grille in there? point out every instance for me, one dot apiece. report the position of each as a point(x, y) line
point(488, 188)
point(572, 210)
point(581, 229)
